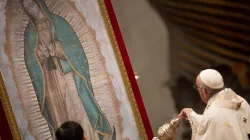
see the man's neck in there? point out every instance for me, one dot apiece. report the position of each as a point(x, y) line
point(212, 98)
point(212, 95)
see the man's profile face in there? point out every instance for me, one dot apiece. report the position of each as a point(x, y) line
point(200, 89)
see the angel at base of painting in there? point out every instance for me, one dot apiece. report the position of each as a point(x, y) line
point(52, 52)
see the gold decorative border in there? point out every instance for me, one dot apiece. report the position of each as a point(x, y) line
point(8, 111)
point(123, 71)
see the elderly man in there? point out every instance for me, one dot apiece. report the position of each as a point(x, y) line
point(227, 115)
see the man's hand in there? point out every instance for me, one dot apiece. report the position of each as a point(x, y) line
point(155, 138)
point(184, 113)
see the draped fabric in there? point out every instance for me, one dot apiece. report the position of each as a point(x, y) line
point(225, 118)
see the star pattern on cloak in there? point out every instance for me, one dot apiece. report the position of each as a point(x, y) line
point(244, 120)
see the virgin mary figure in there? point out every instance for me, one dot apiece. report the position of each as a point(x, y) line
point(52, 50)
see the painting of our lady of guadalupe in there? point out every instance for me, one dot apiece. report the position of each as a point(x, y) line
point(51, 50)
point(62, 69)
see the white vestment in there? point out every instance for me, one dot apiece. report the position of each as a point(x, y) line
point(226, 117)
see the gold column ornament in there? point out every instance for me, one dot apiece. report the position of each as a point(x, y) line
point(169, 130)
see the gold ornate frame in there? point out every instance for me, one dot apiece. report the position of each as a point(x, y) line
point(140, 125)
point(124, 74)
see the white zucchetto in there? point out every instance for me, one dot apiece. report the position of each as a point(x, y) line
point(212, 78)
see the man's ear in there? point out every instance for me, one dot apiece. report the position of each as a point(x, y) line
point(205, 91)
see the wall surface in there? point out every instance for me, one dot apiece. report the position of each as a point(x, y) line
point(147, 40)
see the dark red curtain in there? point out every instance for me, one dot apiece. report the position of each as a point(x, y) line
point(5, 132)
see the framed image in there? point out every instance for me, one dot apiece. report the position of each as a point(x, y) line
point(65, 60)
